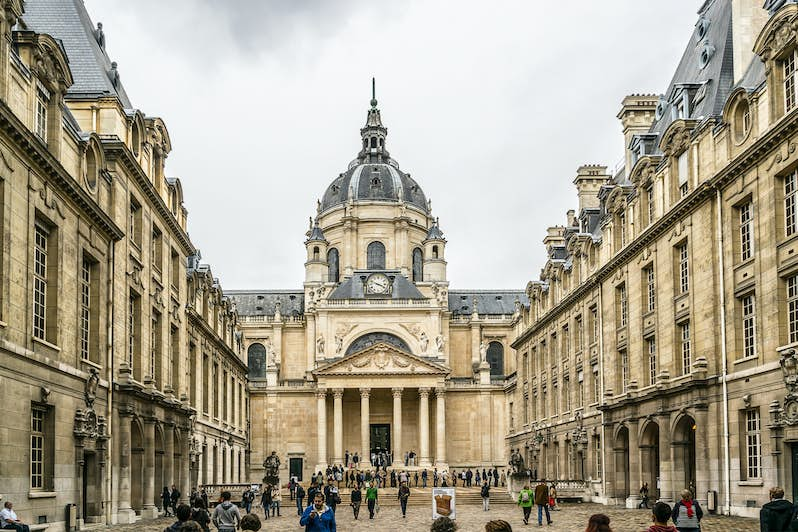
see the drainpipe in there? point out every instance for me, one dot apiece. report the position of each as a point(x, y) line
point(723, 356)
point(600, 318)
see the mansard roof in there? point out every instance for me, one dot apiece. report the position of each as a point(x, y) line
point(352, 288)
point(461, 302)
point(264, 302)
point(68, 21)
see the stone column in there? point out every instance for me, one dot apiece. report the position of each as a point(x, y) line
point(701, 462)
point(149, 510)
point(169, 454)
point(126, 514)
point(338, 426)
point(321, 428)
point(397, 452)
point(310, 342)
point(665, 460)
point(365, 428)
point(634, 467)
point(423, 427)
point(440, 427)
point(185, 465)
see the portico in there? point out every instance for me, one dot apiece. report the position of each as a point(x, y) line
point(393, 389)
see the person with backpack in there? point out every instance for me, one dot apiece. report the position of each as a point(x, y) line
point(199, 513)
point(687, 513)
point(299, 495)
point(525, 501)
point(485, 493)
point(542, 501)
point(226, 516)
point(778, 514)
point(403, 495)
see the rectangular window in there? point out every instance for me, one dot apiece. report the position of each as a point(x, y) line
point(594, 326)
point(133, 333)
point(37, 448)
point(42, 100)
point(225, 416)
point(623, 360)
point(555, 396)
point(174, 359)
point(566, 342)
point(789, 82)
point(175, 260)
point(792, 308)
point(650, 203)
point(687, 357)
point(156, 253)
point(566, 391)
point(596, 385)
point(207, 385)
point(215, 384)
point(85, 309)
point(135, 222)
point(684, 268)
point(651, 345)
point(623, 305)
point(684, 174)
point(651, 289)
point(746, 231)
point(580, 384)
point(753, 444)
point(192, 375)
point(512, 414)
point(156, 350)
point(790, 214)
point(748, 305)
point(622, 228)
point(597, 454)
point(40, 279)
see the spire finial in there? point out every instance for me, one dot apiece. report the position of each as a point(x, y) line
point(373, 92)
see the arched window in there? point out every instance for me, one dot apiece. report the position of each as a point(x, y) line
point(256, 361)
point(495, 358)
point(332, 262)
point(315, 252)
point(434, 252)
point(418, 265)
point(375, 256)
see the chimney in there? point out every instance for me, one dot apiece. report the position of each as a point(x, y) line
point(588, 181)
point(748, 19)
point(636, 115)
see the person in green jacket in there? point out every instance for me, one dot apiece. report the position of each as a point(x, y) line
point(371, 499)
point(525, 500)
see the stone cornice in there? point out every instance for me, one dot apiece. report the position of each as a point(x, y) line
point(26, 141)
point(116, 150)
point(747, 159)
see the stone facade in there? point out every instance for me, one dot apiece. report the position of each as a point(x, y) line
point(105, 312)
point(662, 330)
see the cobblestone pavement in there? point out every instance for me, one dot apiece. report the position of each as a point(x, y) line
point(471, 518)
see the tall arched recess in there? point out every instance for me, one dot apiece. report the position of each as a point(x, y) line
point(256, 361)
point(418, 265)
point(495, 358)
point(367, 340)
point(332, 266)
point(375, 256)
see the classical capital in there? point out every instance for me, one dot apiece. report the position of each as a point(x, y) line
point(321, 393)
point(397, 392)
point(423, 392)
point(440, 392)
point(365, 392)
point(338, 392)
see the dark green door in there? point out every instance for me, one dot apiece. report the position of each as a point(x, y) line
point(295, 468)
point(380, 437)
point(794, 455)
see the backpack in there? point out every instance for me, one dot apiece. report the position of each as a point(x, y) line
point(201, 516)
point(485, 491)
point(524, 496)
point(299, 491)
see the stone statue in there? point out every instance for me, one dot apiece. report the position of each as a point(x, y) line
point(114, 74)
point(516, 460)
point(99, 35)
point(483, 351)
point(423, 341)
point(270, 352)
point(339, 344)
point(277, 310)
point(90, 390)
point(272, 467)
point(439, 343)
point(320, 345)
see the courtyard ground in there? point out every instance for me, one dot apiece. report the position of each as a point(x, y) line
point(471, 518)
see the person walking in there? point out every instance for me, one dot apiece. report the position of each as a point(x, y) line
point(174, 496)
point(503, 478)
point(485, 493)
point(687, 513)
point(435, 478)
point(415, 478)
point(266, 500)
point(318, 517)
point(542, 501)
point(477, 478)
point(355, 498)
point(371, 499)
point(277, 497)
point(643, 496)
point(246, 499)
point(226, 516)
point(660, 515)
point(299, 495)
point(496, 478)
point(598, 523)
point(525, 500)
point(166, 499)
point(204, 495)
point(553, 498)
point(778, 513)
point(469, 477)
point(424, 479)
point(403, 495)
point(200, 515)
point(454, 478)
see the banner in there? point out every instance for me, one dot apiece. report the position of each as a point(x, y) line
point(443, 503)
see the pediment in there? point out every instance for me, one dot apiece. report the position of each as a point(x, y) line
point(381, 359)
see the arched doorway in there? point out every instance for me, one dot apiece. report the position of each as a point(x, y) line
point(684, 454)
point(649, 458)
point(136, 467)
point(621, 452)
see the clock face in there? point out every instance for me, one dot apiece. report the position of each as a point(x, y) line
point(378, 284)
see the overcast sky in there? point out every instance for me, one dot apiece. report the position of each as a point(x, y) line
point(490, 106)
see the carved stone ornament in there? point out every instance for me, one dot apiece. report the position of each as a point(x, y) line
point(88, 424)
point(789, 368)
point(90, 389)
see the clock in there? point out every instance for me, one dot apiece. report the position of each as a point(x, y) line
point(378, 284)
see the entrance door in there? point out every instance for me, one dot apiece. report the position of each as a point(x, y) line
point(295, 468)
point(380, 440)
point(794, 455)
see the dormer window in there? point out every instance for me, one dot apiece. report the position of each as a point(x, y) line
point(42, 101)
point(789, 81)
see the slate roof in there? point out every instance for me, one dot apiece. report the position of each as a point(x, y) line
point(352, 288)
point(488, 301)
point(68, 21)
point(373, 181)
point(717, 75)
point(263, 302)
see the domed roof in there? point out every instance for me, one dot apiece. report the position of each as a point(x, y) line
point(374, 175)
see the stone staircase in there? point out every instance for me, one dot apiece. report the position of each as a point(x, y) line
point(423, 497)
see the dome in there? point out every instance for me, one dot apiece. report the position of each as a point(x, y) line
point(374, 176)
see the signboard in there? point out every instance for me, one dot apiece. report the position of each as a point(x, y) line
point(443, 503)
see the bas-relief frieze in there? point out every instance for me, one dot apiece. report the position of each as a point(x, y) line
point(381, 358)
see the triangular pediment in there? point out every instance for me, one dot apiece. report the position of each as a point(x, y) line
point(381, 359)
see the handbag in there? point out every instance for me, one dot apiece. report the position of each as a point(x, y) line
point(377, 507)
